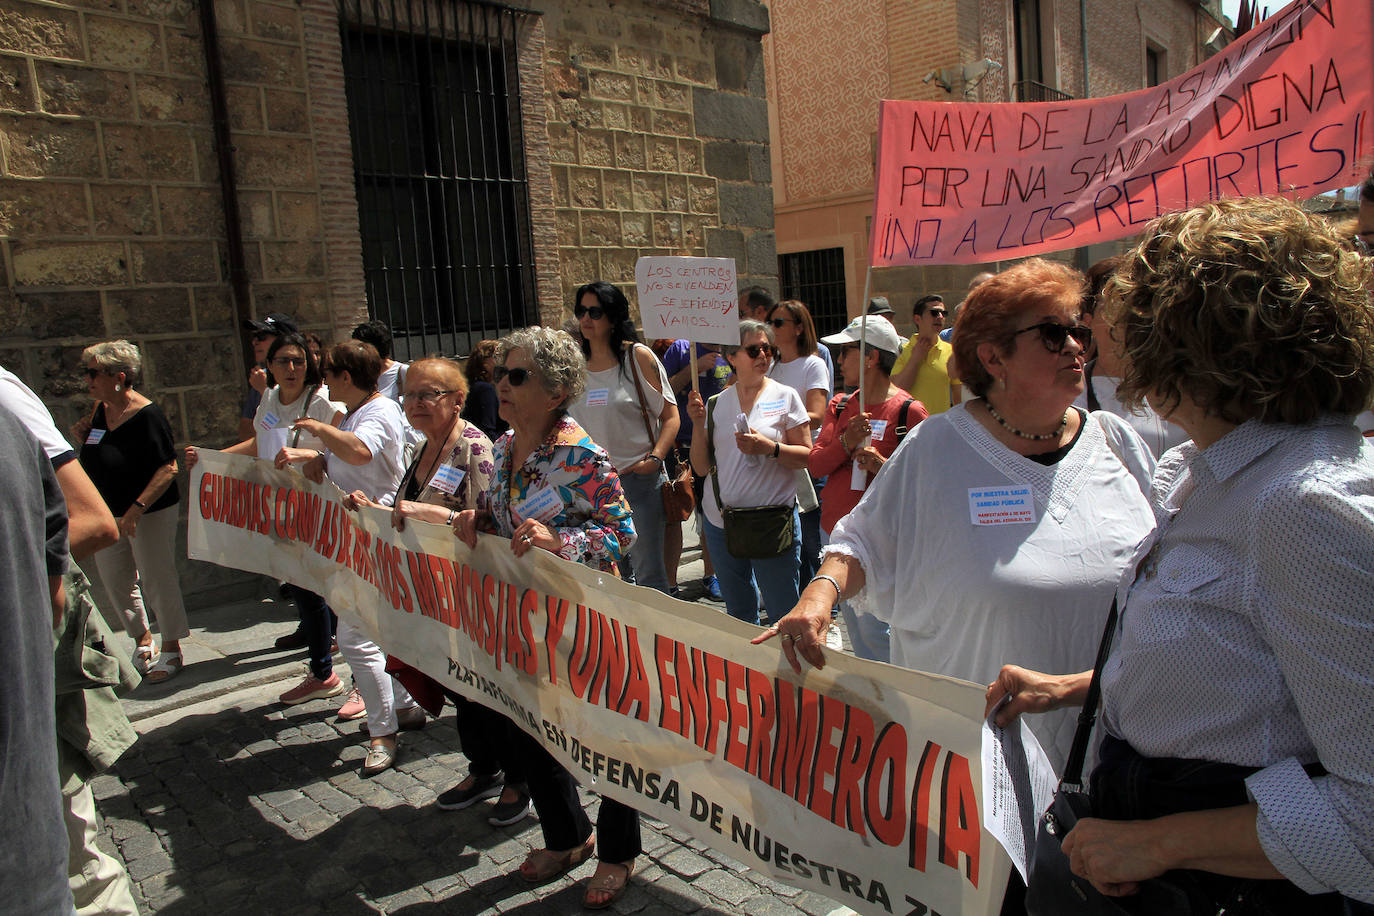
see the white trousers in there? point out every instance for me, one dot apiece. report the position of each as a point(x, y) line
point(99, 883)
point(382, 693)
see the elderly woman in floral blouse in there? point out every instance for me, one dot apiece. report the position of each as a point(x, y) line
point(555, 489)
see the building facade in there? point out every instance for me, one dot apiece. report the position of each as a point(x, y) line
point(831, 61)
point(169, 168)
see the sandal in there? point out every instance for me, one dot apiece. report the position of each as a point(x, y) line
point(611, 885)
point(168, 666)
point(543, 865)
point(144, 657)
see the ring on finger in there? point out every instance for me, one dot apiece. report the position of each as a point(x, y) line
point(526, 539)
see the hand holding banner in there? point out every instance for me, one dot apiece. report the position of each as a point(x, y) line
point(860, 781)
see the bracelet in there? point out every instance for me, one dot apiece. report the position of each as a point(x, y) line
point(823, 577)
point(777, 449)
point(141, 504)
point(654, 457)
point(452, 514)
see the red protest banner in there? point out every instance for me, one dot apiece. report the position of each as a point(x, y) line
point(1285, 109)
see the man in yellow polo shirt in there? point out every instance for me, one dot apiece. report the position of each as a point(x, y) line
point(921, 367)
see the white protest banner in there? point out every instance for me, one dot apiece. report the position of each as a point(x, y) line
point(691, 298)
point(861, 781)
point(1285, 109)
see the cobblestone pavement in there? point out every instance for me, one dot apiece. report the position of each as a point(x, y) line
point(240, 804)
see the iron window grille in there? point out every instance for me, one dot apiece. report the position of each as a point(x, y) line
point(438, 149)
point(817, 279)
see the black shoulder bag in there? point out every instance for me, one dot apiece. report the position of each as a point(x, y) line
point(756, 532)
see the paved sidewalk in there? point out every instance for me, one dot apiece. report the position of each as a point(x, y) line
point(232, 802)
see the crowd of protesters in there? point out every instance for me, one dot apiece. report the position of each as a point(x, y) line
point(1182, 426)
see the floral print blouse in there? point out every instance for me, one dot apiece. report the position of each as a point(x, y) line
point(470, 460)
point(590, 514)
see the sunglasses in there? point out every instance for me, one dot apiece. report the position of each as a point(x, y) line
point(1054, 335)
point(940, 312)
point(596, 312)
point(261, 336)
point(288, 362)
point(516, 377)
point(779, 322)
point(92, 373)
point(757, 350)
point(433, 395)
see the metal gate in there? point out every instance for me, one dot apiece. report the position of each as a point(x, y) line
point(439, 165)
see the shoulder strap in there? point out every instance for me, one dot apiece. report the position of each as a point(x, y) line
point(902, 415)
point(844, 402)
point(639, 390)
point(711, 447)
point(305, 412)
point(1073, 767)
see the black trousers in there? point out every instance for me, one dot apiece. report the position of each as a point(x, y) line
point(1128, 786)
point(565, 824)
point(485, 736)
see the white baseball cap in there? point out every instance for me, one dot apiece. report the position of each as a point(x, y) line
point(881, 335)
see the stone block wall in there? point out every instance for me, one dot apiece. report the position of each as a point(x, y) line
point(111, 212)
point(657, 129)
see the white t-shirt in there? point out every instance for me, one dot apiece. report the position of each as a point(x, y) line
point(380, 426)
point(610, 410)
point(762, 481)
point(966, 589)
point(1159, 434)
point(390, 381)
point(30, 411)
point(273, 420)
point(802, 375)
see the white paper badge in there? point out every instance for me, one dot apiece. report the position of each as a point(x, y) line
point(94, 436)
point(541, 505)
point(447, 478)
point(772, 409)
point(1001, 505)
point(269, 420)
point(879, 428)
point(598, 397)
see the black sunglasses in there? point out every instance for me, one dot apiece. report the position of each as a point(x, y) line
point(941, 312)
point(517, 377)
point(779, 322)
point(1054, 335)
point(92, 373)
point(757, 350)
point(596, 312)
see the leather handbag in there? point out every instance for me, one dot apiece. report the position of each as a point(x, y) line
point(676, 493)
point(753, 532)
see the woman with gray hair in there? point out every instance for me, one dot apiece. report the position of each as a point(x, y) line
point(555, 489)
point(758, 433)
point(126, 449)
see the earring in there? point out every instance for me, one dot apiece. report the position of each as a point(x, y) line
point(118, 387)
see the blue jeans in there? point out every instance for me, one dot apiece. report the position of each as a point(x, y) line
point(317, 621)
point(777, 577)
point(646, 505)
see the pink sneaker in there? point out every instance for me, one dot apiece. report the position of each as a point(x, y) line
point(312, 688)
point(353, 706)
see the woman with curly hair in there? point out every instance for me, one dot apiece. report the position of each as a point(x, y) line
point(1236, 702)
point(554, 489)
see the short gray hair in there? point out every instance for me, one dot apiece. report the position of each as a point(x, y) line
point(115, 356)
point(748, 327)
point(557, 360)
